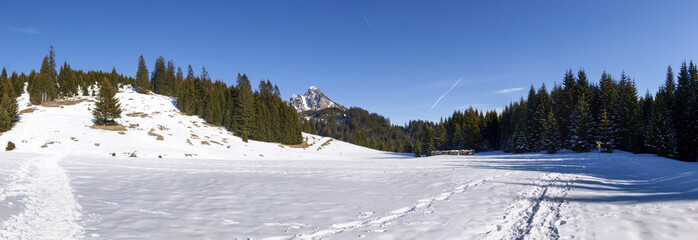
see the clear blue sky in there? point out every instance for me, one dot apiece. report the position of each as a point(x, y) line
point(395, 58)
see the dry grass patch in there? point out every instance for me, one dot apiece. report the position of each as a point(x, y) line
point(304, 144)
point(133, 125)
point(96, 144)
point(74, 139)
point(48, 143)
point(189, 141)
point(195, 124)
point(162, 128)
point(205, 143)
point(138, 114)
point(59, 103)
point(28, 110)
point(190, 155)
point(113, 127)
point(325, 144)
point(216, 142)
point(157, 136)
point(194, 136)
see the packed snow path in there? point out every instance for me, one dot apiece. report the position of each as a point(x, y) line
point(50, 211)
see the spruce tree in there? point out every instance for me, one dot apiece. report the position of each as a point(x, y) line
point(626, 109)
point(606, 133)
point(107, 107)
point(142, 82)
point(581, 127)
point(243, 111)
point(551, 137)
point(661, 137)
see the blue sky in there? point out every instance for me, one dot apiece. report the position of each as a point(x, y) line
point(396, 58)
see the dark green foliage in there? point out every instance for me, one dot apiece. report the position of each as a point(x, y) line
point(428, 141)
point(243, 107)
point(107, 107)
point(358, 126)
point(685, 112)
point(551, 137)
point(10, 146)
point(43, 88)
point(626, 111)
point(261, 115)
point(606, 133)
point(8, 104)
point(142, 82)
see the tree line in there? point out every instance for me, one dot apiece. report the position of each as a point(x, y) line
point(49, 84)
point(258, 115)
point(576, 114)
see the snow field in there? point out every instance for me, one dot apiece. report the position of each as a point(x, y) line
point(190, 180)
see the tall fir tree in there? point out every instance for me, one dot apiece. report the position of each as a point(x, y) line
point(606, 133)
point(142, 82)
point(551, 137)
point(661, 137)
point(626, 110)
point(243, 111)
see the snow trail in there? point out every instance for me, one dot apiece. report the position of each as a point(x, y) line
point(381, 221)
point(50, 211)
point(536, 214)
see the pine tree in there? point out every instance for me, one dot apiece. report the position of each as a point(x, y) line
point(684, 111)
point(661, 137)
point(142, 82)
point(533, 121)
point(417, 149)
point(626, 110)
point(551, 137)
point(581, 127)
point(243, 111)
point(158, 78)
point(606, 133)
point(428, 141)
point(107, 107)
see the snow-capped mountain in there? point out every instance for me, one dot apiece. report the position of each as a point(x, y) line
point(313, 100)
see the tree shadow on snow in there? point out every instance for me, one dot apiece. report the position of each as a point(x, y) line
point(619, 177)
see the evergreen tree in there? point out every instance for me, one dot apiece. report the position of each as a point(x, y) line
point(142, 82)
point(626, 110)
point(107, 107)
point(581, 139)
point(243, 111)
point(606, 133)
point(417, 149)
point(551, 142)
point(428, 141)
point(684, 108)
point(661, 137)
point(534, 121)
point(158, 78)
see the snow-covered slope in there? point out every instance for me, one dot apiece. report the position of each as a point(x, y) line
point(313, 100)
point(154, 128)
point(59, 184)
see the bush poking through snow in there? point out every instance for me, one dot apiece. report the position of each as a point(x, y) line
point(10, 146)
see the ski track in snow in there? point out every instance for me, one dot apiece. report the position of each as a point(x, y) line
point(536, 213)
point(50, 209)
point(382, 221)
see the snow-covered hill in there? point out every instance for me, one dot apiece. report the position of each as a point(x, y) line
point(154, 128)
point(313, 100)
point(62, 182)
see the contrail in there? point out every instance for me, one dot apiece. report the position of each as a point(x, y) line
point(442, 96)
point(366, 19)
